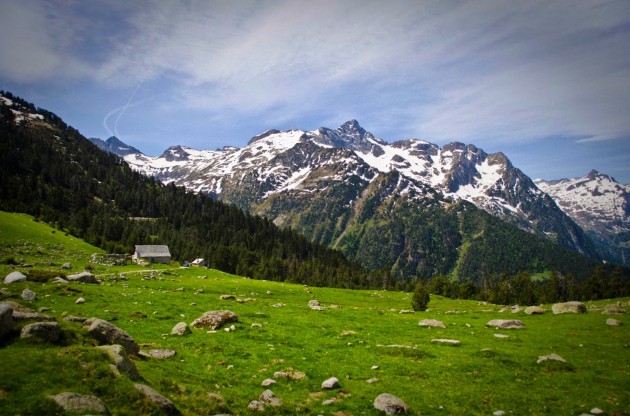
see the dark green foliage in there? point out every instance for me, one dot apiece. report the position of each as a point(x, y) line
point(420, 298)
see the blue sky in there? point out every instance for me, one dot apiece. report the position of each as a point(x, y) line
point(546, 82)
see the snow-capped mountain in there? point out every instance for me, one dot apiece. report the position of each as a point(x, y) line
point(600, 205)
point(114, 145)
point(296, 163)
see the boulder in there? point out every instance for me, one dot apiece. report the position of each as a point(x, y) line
point(534, 310)
point(79, 403)
point(83, 277)
point(331, 383)
point(505, 324)
point(268, 382)
point(315, 305)
point(60, 280)
point(107, 333)
point(227, 297)
point(269, 399)
point(6, 319)
point(28, 294)
point(14, 277)
point(214, 319)
point(180, 329)
point(568, 307)
point(46, 331)
point(166, 406)
point(162, 354)
point(80, 301)
point(446, 341)
point(432, 323)
point(614, 310)
point(390, 404)
point(121, 362)
point(550, 357)
point(613, 322)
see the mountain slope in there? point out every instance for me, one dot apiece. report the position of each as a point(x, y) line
point(114, 145)
point(600, 205)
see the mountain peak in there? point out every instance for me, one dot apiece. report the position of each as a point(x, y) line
point(351, 126)
point(115, 145)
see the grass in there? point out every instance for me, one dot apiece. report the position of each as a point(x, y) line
point(482, 375)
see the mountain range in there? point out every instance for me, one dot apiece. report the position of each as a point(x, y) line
point(282, 175)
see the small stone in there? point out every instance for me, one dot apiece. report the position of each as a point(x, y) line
point(534, 310)
point(47, 331)
point(446, 341)
point(256, 325)
point(268, 382)
point(28, 294)
point(372, 380)
point(280, 374)
point(498, 413)
point(180, 329)
point(432, 323)
point(14, 277)
point(331, 383)
point(80, 301)
point(502, 336)
point(614, 310)
point(613, 322)
point(79, 403)
point(255, 405)
point(162, 354)
point(270, 399)
point(505, 324)
point(83, 277)
point(108, 333)
point(596, 411)
point(227, 297)
point(390, 404)
point(66, 266)
point(328, 402)
point(375, 367)
point(269, 292)
point(550, 357)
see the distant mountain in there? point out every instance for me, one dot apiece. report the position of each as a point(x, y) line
point(376, 201)
point(115, 146)
point(600, 205)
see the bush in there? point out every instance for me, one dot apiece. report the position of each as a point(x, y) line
point(420, 299)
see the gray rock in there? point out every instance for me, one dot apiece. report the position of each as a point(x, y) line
point(534, 310)
point(66, 266)
point(80, 301)
point(614, 310)
point(256, 406)
point(60, 280)
point(372, 380)
point(47, 331)
point(505, 324)
point(596, 411)
point(502, 336)
point(162, 354)
point(14, 277)
point(269, 399)
point(71, 318)
point(166, 406)
point(107, 333)
point(498, 413)
point(17, 307)
point(28, 294)
point(180, 329)
point(446, 341)
point(26, 316)
point(214, 319)
point(121, 362)
point(6, 319)
point(331, 383)
point(79, 403)
point(432, 323)
point(83, 277)
point(550, 357)
point(313, 303)
point(568, 307)
point(613, 322)
point(268, 382)
point(390, 404)
point(227, 297)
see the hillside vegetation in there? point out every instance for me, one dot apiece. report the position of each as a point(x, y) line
point(222, 372)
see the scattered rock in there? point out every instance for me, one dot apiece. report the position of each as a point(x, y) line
point(269, 292)
point(280, 374)
point(47, 331)
point(534, 310)
point(515, 309)
point(28, 294)
point(227, 297)
point(432, 323)
point(505, 324)
point(405, 311)
point(71, 318)
point(83, 277)
point(613, 322)
point(256, 406)
point(498, 413)
point(107, 333)
point(596, 411)
point(79, 403)
point(166, 406)
point(121, 362)
point(17, 307)
point(390, 404)
point(502, 336)
point(180, 329)
point(375, 367)
point(568, 307)
point(80, 301)
point(614, 310)
point(25, 316)
point(268, 382)
point(162, 354)
point(372, 380)
point(6, 319)
point(66, 266)
point(256, 325)
point(550, 357)
point(214, 319)
point(60, 280)
point(315, 305)
point(331, 383)
point(270, 399)
point(446, 341)
point(14, 277)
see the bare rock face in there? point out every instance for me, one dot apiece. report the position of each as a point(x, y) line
point(80, 404)
point(166, 406)
point(568, 307)
point(214, 319)
point(505, 324)
point(47, 331)
point(107, 333)
point(390, 404)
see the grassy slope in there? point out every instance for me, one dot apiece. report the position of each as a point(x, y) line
point(342, 342)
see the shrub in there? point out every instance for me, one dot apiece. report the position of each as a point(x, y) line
point(420, 299)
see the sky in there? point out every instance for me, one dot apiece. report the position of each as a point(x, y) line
point(545, 82)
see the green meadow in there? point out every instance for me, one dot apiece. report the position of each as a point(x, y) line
point(219, 372)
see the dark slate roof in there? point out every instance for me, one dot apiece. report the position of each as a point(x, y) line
point(152, 251)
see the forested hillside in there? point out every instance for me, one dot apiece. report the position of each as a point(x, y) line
point(49, 170)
